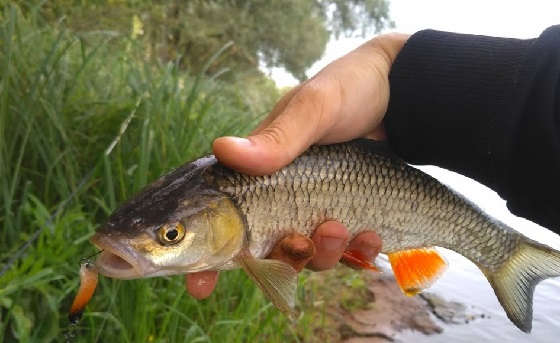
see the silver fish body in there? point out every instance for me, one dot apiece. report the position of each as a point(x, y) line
point(204, 216)
point(365, 187)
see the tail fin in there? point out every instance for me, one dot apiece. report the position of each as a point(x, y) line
point(514, 283)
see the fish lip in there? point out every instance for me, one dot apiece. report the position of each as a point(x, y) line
point(110, 245)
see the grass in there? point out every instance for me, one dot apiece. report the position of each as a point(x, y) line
point(85, 122)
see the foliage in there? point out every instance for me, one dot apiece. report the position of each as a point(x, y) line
point(88, 116)
point(82, 127)
point(288, 33)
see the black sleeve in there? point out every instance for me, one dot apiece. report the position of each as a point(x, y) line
point(485, 107)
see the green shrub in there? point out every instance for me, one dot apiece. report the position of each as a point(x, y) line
point(84, 123)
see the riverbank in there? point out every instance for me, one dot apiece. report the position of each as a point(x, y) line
point(370, 307)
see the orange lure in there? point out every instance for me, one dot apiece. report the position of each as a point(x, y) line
point(88, 282)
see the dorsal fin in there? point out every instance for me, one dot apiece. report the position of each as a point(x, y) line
point(372, 146)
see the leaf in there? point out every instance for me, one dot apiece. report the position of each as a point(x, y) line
point(6, 302)
point(22, 324)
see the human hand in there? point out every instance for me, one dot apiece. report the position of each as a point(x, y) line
point(323, 251)
point(345, 100)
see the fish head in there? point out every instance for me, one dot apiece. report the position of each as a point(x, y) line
point(179, 224)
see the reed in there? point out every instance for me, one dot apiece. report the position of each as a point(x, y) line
point(84, 123)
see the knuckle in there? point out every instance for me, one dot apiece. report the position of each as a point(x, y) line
point(298, 248)
point(274, 134)
point(321, 98)
point(312, 98)
point(313, 91)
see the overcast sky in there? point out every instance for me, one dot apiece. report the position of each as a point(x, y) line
point(513, 18)
point(503, 18)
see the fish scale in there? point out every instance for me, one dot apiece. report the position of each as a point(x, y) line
point(365, 189)
point(204, 216)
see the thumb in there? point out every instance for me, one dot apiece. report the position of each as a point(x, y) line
point(279, 142)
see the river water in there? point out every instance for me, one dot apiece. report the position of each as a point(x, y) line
point(464, 282)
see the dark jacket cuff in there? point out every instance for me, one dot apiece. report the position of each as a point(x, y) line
point(485, 107)
point(448, 91)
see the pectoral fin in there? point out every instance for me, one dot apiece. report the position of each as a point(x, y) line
point(278, 280)
point(417, 269)
point(358, 260)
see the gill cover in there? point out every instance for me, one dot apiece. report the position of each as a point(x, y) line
point(218, 235)
point(179, 224)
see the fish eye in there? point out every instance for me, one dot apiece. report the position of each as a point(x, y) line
point(171, 233)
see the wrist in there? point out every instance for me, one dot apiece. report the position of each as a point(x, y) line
point(389, 45)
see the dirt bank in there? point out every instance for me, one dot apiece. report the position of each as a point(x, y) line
point(369, 307)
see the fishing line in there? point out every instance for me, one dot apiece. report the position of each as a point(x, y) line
point(87, 259)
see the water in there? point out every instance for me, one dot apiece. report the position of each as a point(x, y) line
point(464, 282)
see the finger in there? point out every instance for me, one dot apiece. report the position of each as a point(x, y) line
point(305, 118)
point(200, 285)
point(295, 249)
point(331, 239)
point(368, 244)
point(278, 108)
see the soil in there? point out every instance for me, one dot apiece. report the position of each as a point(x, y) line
point(377, 310)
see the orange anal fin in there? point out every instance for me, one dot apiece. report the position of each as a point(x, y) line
point(88, 283)
point(358, 260)
point(417, 269)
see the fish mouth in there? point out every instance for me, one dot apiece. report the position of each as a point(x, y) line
point(119, 261)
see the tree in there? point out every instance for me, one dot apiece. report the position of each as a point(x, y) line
point(289, 33)
point(277, 33)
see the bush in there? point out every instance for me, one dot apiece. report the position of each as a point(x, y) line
point(84, 123)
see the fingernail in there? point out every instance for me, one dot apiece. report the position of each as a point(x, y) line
point(240, 141)
point(203, 281)
point(331, 244)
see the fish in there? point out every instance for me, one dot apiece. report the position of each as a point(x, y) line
point(205, 216)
